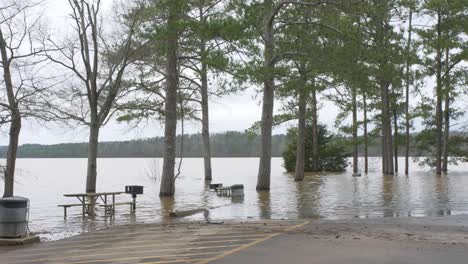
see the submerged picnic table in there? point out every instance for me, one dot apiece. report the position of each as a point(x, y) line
point(88, 201)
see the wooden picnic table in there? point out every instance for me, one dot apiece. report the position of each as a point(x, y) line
point(92, 198)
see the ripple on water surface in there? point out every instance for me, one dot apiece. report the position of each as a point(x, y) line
point(328, 195)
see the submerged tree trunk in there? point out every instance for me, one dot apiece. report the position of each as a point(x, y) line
point(395, 136)
point(168, 177)
point(300, 152)
point(407, 115)
point(15, 128)
point(386, 130)
point(366, 143)
point(355, 132)
point(438, 115)
point(205, 119)
point(15, 122)
point(264, 170)
point(315, 135)
point(91, 174)
point(446, 115)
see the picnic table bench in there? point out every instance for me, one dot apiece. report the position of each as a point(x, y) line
point(110, 208)
point(89, 200)
point(236, 190)
point(66, 206)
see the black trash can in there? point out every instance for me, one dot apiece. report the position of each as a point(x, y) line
point(14, 217)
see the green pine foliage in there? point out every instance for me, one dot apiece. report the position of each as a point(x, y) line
point(332, 153)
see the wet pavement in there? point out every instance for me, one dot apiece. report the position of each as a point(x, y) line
point(177, 243)
point(429, 240)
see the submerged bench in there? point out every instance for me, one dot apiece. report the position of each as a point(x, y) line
point(110, 208)
point(236, 190)
point(66, 206)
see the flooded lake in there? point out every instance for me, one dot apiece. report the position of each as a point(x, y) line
point(327, 195)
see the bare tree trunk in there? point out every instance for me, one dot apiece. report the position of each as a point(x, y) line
point(446, 115)
point(384, 151)
point(366, 143)
point(446, 134)
point(264, 170)
point(205, 122)
point(168, 178)
point(395, 141)
point(387, 129)
point(355, 132)
point(407, 115)
point(315, 135)
point(15, 129)
point(205, 105)
point(438, 116)
point(92, 157)
point(300, 152)
point(15, 125)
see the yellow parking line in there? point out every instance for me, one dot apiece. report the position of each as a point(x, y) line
point(169, 235)
point(142, 257)
point(253, 243)
point(188, 226)
point(112, 232)
point(227, 253)
point(105, 242)
point(125, 247)
point(112, 254)
point(168, 232)
point(173, 261)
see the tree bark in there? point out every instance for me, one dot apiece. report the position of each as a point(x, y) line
point(387, 129)
point(264, 170)
point(446, 115)
point(300, 152)
point(205, 104)
point(168, 174)
point(15, 123)
point(315, 135)
point(355, 131)
point(366, 142)
point(395, 138)
point(91, 174)
point(438, 115)
point(407, 115)
point(205, 120)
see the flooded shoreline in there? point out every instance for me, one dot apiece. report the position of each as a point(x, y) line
point(319, 196)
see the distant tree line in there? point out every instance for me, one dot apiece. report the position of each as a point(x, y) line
point(229, 144)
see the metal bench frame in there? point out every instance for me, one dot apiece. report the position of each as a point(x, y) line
point(110, 208)
point(66, 206)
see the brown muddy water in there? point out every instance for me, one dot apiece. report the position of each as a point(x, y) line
point(326, 195)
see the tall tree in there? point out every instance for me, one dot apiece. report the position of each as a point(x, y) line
point(172, 75)
point(411, 8)
point(384, 56)
point(444, 50)
point(24, 81)
point(205, 54)
point(271, 10)
point(96, 65)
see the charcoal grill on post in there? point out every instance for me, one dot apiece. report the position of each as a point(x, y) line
point(134, 190)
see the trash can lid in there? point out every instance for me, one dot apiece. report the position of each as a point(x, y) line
point(13, 199)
